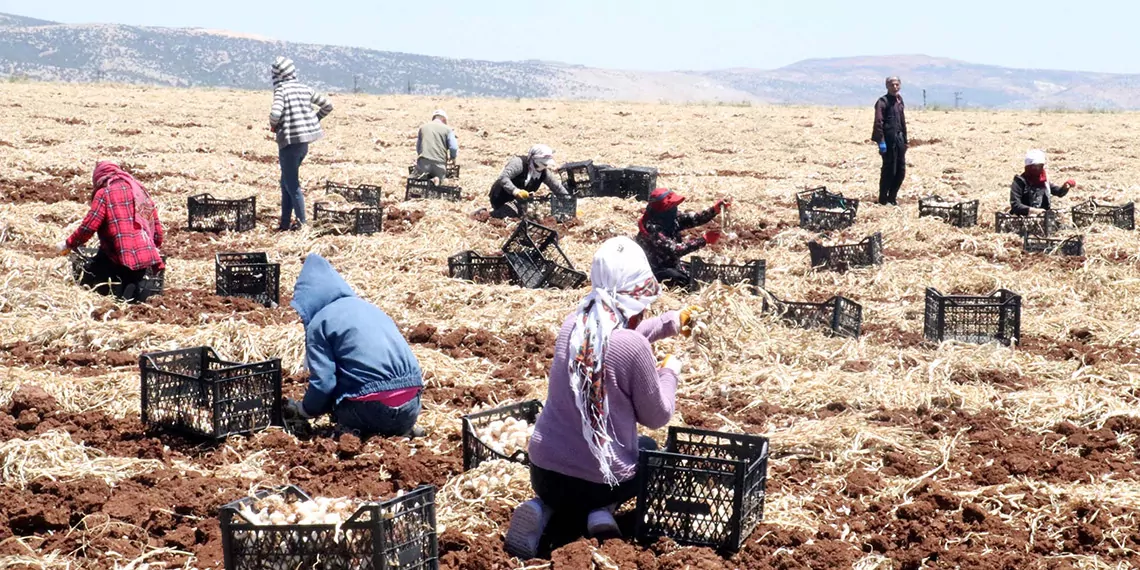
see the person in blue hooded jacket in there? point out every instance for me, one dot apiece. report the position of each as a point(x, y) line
point(360, 367)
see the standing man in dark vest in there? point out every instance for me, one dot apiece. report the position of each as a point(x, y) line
point(890, 133)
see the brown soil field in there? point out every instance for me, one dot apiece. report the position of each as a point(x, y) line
point(888, 452)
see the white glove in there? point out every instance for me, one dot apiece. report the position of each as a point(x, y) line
point(62, 247)
point(672, 363)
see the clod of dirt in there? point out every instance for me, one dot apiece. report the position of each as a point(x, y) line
point(574, 556)
point(399, 221)
point(32, 399)
point(348, 445)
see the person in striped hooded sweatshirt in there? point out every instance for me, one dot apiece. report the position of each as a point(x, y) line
point(296, 124)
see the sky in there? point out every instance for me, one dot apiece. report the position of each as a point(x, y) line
point(664, 34)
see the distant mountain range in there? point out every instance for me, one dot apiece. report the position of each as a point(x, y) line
point(194, 57)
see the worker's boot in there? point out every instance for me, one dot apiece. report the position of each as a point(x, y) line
point(527, 525)
point(601, 524)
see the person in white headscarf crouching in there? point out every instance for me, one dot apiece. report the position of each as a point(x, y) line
point(604, 381)
point(1029, 194)
point(520, 178)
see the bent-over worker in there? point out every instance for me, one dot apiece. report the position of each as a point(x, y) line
point(360, 367)
point(124, 216)
point(520, 178)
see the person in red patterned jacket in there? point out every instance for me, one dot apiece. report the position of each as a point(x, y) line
point(659, 234)
point(130, 233)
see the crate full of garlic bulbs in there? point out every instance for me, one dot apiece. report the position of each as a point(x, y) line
point(284, 529)
point(195, 392)
point(705, 488)
point(499, 433)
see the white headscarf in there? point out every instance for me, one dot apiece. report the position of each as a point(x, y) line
point(539, 153)
point(622, 286)
point(1035, 156)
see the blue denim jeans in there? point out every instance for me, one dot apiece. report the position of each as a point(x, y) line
point(376, 418)
point(292, 200)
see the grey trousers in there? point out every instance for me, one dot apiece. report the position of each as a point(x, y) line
point(428, 168)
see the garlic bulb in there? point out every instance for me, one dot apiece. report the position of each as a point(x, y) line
point(506, 436)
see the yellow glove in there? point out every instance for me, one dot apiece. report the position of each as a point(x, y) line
point(686, 318)
point(672, 363)
point(522, 194)
point(687, 314)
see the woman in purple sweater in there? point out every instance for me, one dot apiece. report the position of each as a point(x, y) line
point(603, 382)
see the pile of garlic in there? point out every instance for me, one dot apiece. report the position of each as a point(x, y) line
point(276, 510)
point(506, 436)
point(196, 418)
point(497, 477)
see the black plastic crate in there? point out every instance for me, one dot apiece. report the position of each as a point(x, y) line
point(559, 207)
point(1074, 245)
point(630, 182)
point(397, 534)
point(751, 272)
point(1044, 224)
point(248, 275)
point(536, 261)
point(1091, 212)
point(842, 257)
point(470, 266)
point(194, 391)
point(361, 194)
point(208, 214)
point(823, 211)
point(579, 178)
point(705, 488)
point(960, 214)
point(840, 315)
point(81, 259)
point(475, 451)
point(429, 190)
point(973, 318)
point(363, 220)
point(640, 181)
point(452, 171)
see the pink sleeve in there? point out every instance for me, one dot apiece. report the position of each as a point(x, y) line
point(652, 390)
point(657, 328)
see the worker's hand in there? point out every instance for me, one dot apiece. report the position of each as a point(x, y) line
point(294, 409)
point(723, 204)
point(672, 363)
point(883, 147)
point(1070, 183)
point(62, 248)
point(1036, 211)
point(687, 314)
point(712, 236)
point(272, 128)
point(522, 194)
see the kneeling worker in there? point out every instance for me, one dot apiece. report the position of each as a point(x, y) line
point(360, 367)
point(1030, 191)
point(435, 143)
point(520, 178)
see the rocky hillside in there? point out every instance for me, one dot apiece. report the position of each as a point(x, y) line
point(188, 57)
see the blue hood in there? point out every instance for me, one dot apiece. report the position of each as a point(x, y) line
point(317, 287)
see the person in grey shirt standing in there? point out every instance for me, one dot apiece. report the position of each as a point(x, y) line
point(435, 143)
point(890, 132)
point(296, 124)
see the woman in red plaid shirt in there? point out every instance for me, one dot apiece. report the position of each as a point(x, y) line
point(124, 216)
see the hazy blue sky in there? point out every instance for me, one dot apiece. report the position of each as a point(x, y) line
point(664, 34)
